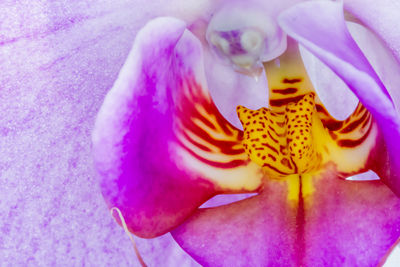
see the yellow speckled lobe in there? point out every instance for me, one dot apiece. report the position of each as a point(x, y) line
point(299, 134)
point(282, 143)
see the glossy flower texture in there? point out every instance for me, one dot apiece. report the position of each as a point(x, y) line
point(162, 148)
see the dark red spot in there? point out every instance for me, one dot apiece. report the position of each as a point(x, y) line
point(352, 126)
point(274, 169)
point(284, 101)
point(286, 91)
point(286, 162)
point(355, 142)
point(270, 147)
point(272, 157)
point(291, 81)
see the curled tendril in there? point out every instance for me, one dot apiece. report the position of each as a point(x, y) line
point(121, 217)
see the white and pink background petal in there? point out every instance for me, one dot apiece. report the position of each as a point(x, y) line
point(58, 60)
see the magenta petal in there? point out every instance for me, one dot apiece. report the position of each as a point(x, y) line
point(342, 224)
point(350, 223)
point(134, 142)
point(259, 231)
point(320, 27)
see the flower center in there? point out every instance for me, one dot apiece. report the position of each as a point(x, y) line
point(296, 134)
point(282, 142)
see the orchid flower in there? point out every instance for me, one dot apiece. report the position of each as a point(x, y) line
point(162, 147)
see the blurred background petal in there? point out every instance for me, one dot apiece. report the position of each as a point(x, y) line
point(58, 59)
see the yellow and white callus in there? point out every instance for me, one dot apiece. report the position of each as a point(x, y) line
point(296, 136)
point(282, 142)
point(292, 141)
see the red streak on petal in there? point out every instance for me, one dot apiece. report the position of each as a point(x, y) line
point(355, 142)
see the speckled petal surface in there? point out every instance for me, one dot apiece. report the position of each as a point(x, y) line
point(345, 58)
point(58, 60)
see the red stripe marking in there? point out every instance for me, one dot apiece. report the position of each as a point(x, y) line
point(352, 126)
point(300, 223)
point(270, 147)
point(274, 169)
point(276, 141)
point(225, 146)
point(321, 109)
point(206, 121)
point(286, 91)
point(355, 142)
point(222, 165)
point(284, 101)
point(360, 108)
point(187, 113)
point(272, 157)
point(366, 122)
point(332, 125)
point(198, 145)
point(291, 81)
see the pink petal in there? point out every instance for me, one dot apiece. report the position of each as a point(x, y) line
point(137, 173)
point(259, 231)
point(350, 223)
point(342, 224)
point(158, 157)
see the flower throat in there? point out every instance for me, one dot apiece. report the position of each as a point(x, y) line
point(296, 134)
point(282, 142)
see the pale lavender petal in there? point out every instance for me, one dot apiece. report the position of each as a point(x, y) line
point(230, 89)
point(334, 93)
point(381, 59)
point(380, 17)
point(320, 27)
point(331, 90)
